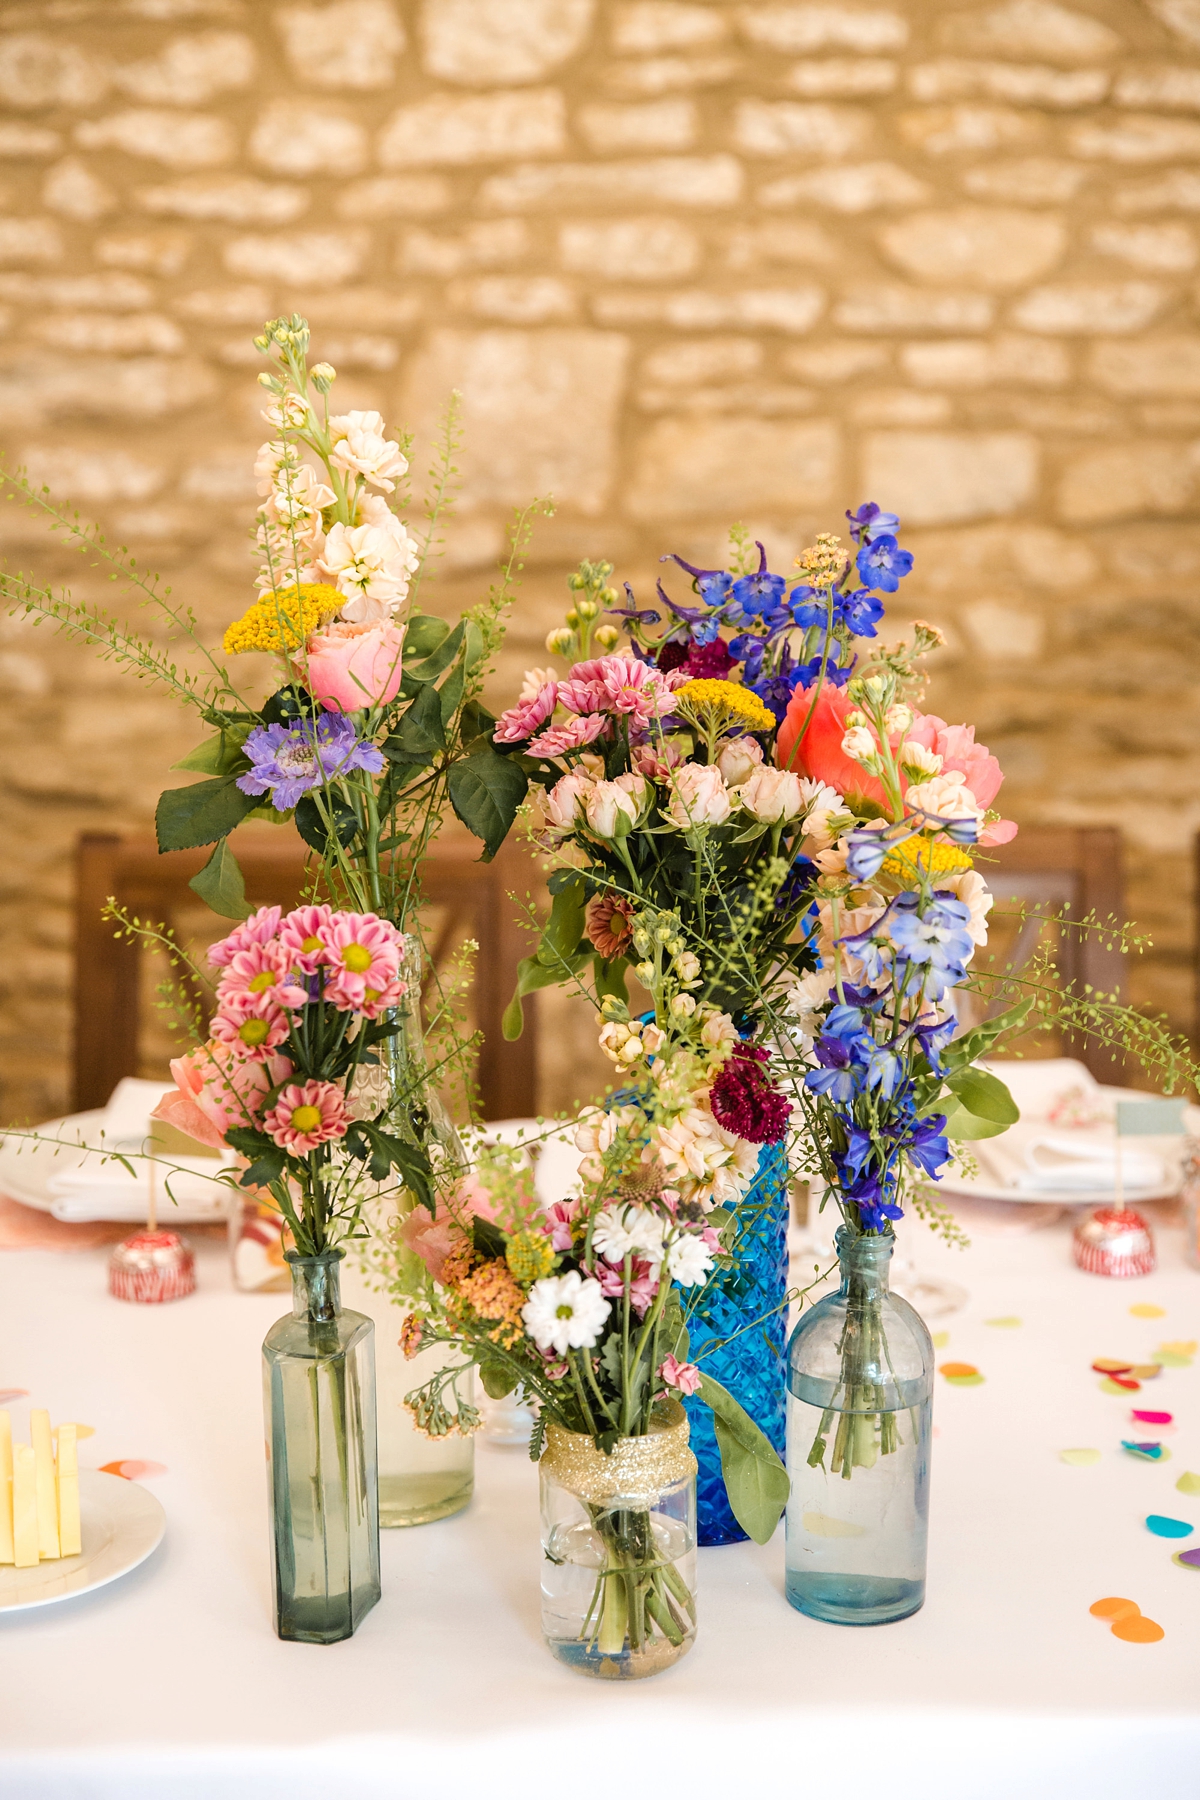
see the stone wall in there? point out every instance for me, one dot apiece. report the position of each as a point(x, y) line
point(689, 262)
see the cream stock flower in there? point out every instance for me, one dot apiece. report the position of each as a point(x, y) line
point(860, 746)
point(533, 683)
point(917, 761)
point(621, 1042)
point(807, 994)
point(366, 563)
point(973, 891)
point(719, 1032)
point(360, 448)
point(698, 796)
point(946, 797)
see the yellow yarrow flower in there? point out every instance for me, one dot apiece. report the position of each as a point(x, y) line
point(716, 705)
point(908, 862)
point(530, 1256)
point(283, 619)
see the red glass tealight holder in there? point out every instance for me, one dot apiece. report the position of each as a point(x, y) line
point(150, 1267)
point(1114, 1241)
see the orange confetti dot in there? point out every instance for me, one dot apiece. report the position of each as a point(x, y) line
point(1136, 1629)
point(1115, 1608)
point(1108, 1365)
point(954, 1371)
point(132, 1468)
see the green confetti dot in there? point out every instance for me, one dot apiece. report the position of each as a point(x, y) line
point(940, 1339)
point(1110, 1387)
point(1079, 1458)
point(1188, 1483)
point(1170, 1359)
point(966, 1380)
point(1006, 1324)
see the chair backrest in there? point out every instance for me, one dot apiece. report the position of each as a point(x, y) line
point(471, 899)
point(1075, 869)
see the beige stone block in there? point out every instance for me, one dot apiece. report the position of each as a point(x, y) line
point(360, 351)
point(986, 362)
point(1002, 632)
point(394, 197)
point(951, 130)
point(488, 41)
point(29, 240)
point(685, 468)
point(628, 249)
point(705, 360)
point(1073, 307)
point(28, 140)
point(795, 309)
point(182, 140)
point(1030, 28)
point(225, 477)
point(701, 181)
point(937, 477)
point(515, 299)
point(836, 361)
point(242, 305)
point(782, 241)
point(853, 188)
point(959, 78)
point(349, 44)
point(770, 401)
point(899, 406)
point(667, 74)
point(319, 258)
point(1167, 249)
point(295, 137)
point(794, 127)
point(1166, 85)
point(450, 128)
point(93, 477)
point(1061, 418)
point(38, 69)
point(649, 25)
point(539, 411)
point(654, 125)
point(1157, 365)
point(116, 293)
point(1024, 554)
point(1178, 189)
point(1170, 415)
point(1121, 481)
point(844, 77)
point(480, 246)
point(113, 334)
point(189, 71)
point(23, 677)
point(72, 189)
point(888, 307)
point(823, 27)
point(37, 385)
point(153, 252)
point(1032, 180)
point(233, 199)
point(1180, 16)
point(994, 247)
point(359, 308)
point(1139, 138)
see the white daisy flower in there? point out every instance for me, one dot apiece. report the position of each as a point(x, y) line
point(565, 1312)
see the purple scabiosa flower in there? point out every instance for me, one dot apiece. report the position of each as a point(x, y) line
point(871, 521)
point(744, 1102)
point(290, 759)
point(883, 564)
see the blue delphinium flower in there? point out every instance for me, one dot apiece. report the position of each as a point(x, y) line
point(883, 564)
point(289, 760)
point(935, 936)
point(861, 611)
point(759, 593)
point(871, 521)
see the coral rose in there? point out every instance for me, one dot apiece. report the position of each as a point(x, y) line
point(354, 666)
point(216, 1089)
point(430, 1238)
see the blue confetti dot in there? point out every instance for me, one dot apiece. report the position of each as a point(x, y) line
point(1169, 1528)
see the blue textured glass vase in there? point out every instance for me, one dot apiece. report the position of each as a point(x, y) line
point(738, 1328)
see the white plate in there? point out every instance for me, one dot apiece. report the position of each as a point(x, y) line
point(121, 1524)
point(27, 1169)
point(986, 1190)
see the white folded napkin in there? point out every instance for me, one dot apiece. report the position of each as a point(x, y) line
point(1069, 1165)
point(84, 1187)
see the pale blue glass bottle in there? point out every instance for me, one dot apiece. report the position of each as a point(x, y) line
point(860, 1393)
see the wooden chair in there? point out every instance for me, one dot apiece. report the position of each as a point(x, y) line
point(471, 898)
point(1076, 867)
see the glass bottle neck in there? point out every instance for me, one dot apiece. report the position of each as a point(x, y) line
point(316, 1286)
point(864, 1264)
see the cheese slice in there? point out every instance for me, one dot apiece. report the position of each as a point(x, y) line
point(47, 1499)
point(25, 1509)
point(6, 1535)
point(68, 1492)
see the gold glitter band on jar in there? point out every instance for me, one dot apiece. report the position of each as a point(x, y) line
point(639, 1468)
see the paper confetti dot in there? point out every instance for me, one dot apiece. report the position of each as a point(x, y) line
point(1144, 1310)
point(1147, 1452)
point(7, 1394)
point(1187, 1559)
point(940, 1339)
point(1107, 1365)
point(1188, 1483)
point(1114, 1608)
point(1138, 1630)
point(81, 1431)
point(1151, 1418)
point(1079, 1458)
point(1161, 1526)
point(1146, 1371)
point(1005, 1324)
point(1180, 1347)
point(1119, 1384)
point(132, 1468)
point(1171, 1359)
point(954, 1371)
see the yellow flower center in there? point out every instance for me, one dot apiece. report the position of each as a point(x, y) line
point(306, 1118)
point(254, 1031)
point(261, 982)
point(310, 944)
point(357, 958)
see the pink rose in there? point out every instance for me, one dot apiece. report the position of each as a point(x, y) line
point(354, 666)
point(214, 1090)
point(698, 796)
point(430, 1238)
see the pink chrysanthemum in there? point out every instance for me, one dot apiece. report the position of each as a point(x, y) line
point(572, 734)
point(642, 1287)
point(559, 1219)
point(300, 937)
point(261, 969)
point(608, 923)
point(362, 953)
point(253, 1025)
point(523, 719)
point(306, 1116)
point(636, 688)
point(744, 1102)
point(583, 689)
point(259, 928)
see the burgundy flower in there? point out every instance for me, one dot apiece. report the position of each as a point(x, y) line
point(744, 1102)
point(672, 655)
point(708, 662)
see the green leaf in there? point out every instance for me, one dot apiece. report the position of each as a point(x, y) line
point(564, 928)
point(419, 733)
point(755, 1479)
point(985, 1095)
point(267, 1160)
point(188, 817)
point(978, 1041)
point(962, 1126)
point(485, 791)
point(487, 1238)
point(476, 648)
point(219, 755)
point(532, 975)
point(424, 634)
point(314, 830)
point(496, 1380)
point(476, 722)
point(221, 885)
point(440, 660)
point(609, 978)
point(451, 691)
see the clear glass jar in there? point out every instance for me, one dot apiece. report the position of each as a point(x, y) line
point(319, 1400)
point(619, 1549)
point(1189, 1195)
point(860, 1391)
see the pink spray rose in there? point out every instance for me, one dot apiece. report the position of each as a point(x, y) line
point(216, 1089)
point(430, 1238)
point(353, 666)
point(684, 1376)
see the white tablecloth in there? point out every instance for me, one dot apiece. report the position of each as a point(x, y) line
point(170, 1685)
